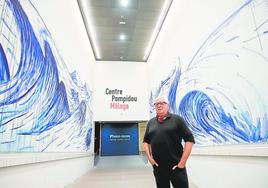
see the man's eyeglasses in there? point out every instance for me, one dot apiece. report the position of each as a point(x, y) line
point(160, 103)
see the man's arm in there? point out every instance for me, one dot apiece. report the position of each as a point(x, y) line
point(147, 148)
point(185, 155)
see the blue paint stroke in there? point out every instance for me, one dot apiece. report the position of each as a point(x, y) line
point(38, 105)
point(211, 123)
point(214, 112)
point(4, 70)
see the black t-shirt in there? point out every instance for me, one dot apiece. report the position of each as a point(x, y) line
point(165, 139)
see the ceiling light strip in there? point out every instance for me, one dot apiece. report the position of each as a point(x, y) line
point(124, 3)
point(84, 7)
point(157, 28)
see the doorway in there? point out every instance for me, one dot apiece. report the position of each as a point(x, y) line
point(97, 138)
point(119, 139)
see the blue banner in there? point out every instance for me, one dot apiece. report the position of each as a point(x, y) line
point(119, 139)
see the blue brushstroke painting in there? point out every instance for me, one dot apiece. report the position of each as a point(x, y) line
point(222, 93)
point(43, 107)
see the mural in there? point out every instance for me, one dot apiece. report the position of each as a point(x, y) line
point(43, 107)
point(222, 92)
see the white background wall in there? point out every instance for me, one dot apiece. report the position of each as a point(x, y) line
point(131, 78)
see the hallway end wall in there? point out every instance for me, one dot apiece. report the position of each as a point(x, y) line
point(121, 91)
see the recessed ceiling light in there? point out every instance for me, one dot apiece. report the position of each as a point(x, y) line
point(122, 37)
point(122, 23)
point(124, 3)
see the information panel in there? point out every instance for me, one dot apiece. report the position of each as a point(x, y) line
point(119, 139)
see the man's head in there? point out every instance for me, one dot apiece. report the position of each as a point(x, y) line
point(161, 106)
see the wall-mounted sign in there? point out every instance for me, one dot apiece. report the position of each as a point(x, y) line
point(120, 100)
point(119, 139)
point(121, 93)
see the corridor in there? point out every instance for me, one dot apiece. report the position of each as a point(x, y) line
point(118, 172)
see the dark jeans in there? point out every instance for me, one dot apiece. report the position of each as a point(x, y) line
point(177, 177)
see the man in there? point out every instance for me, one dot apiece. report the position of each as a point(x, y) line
point(163, 147)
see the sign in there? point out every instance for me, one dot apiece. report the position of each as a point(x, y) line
point(119, 100)
point(121, 92)
point(119, 139)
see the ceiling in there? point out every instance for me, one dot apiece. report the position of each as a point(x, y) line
point(123, 30)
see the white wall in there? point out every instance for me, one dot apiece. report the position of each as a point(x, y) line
point(68, 31)
point(131, 78)
point(50, 174)
point(187, 26)
point(208, 171)
point(53, 170)
point(61, 35)
point(243, 165)
point(178, 38)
